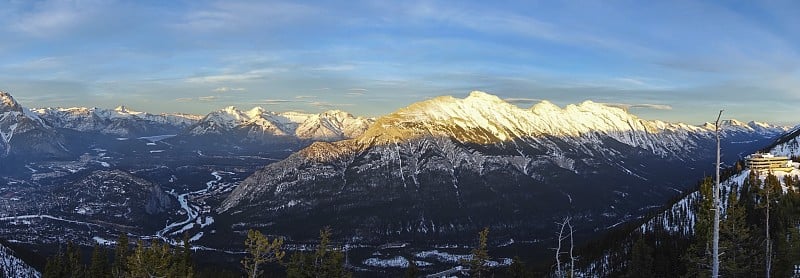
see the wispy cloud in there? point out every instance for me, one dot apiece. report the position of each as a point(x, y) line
point(328, 105)
point(343, 67)
point(628, 106)
point(277, 101)
point(227, 89)
point(238, 16)
point(184, 99)
point(51, 18)
point(233, 77)
point(520, 101)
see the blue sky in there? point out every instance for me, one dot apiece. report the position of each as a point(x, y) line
point(670, 60)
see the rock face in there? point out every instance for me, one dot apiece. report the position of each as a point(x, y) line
point(23, 133)
point(446, 167)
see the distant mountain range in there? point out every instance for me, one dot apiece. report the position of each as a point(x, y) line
point(446, 167)
point(55, 132)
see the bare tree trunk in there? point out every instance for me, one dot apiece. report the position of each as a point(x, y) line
point(715, 244)
point(559, 272)
point(571, 256)
point(561, 237)
point(768, 256)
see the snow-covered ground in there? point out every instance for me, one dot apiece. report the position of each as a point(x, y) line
point(11, 266)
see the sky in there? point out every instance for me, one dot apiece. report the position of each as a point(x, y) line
point(669, 60)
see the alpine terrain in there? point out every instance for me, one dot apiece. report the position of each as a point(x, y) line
point(439, 170)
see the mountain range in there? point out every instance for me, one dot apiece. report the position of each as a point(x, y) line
point(432, 173)
point(445, 167)
point(59, 132)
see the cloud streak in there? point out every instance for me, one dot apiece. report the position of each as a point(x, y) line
point(628, 106)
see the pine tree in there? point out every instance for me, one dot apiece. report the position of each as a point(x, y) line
point(119, 267)
point(738, 253)
point(480, 256)
point(154, 261)
point(300, 266)
point(767, 195)
point(260, 251)
point(642, 260)
point(326, 261)
point(182, 261)
point(97, 267)
point(517, 269)
point(74, 268)
point(411, 271)
point(55, 266)
point(698, 256)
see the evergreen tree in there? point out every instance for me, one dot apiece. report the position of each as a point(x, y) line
point(411, 271)
point(767, 195)
point(738, 254)
point(182, 265)
point(642, 260)
point(55, 266)
point(480, 256)
point(300, 266)
point(326, 261)
point(517, 269)
point(698, 256)
point(73, 267)
point(98, 265)
point(119, 267)
point(149, 262)
point(260, 251)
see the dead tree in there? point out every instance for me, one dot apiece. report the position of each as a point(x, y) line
point(561, 237)
point(715, 243)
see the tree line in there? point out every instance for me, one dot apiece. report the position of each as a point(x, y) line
point(158, 259)
point(759, 234)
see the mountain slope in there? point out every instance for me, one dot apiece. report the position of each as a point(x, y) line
point(23, 133)
point(677, 220)
point(445, 167)
point(11, 266)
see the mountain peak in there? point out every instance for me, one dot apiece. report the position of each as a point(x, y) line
point(121, 109)
point(7, 103)
point(256, 112)
point(545, 107)
point(483, 96)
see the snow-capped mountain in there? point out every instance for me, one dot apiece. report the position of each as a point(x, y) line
point(23, 132)
point(120, 121)
point(447, 166)
point(258, 124)
point(11, 266)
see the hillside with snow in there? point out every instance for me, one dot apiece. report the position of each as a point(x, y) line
point(24, 133)
point(678, 219)
point(11, 266)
